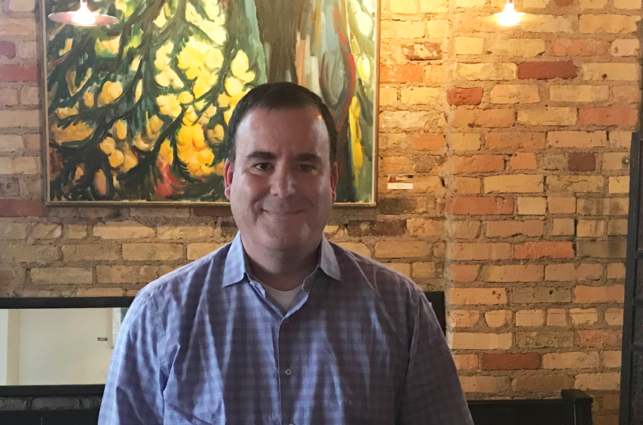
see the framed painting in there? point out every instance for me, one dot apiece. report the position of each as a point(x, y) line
point(138, 112)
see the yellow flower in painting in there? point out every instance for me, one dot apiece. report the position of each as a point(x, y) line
point(214, 60)
point(190, 137)
point(109, 46)
point(144, 145)
point(211, 111)
point(364, 68)
point(139, 91)
point(203, 83)
point(111, 91)
point(233, 86)
point(160, 20)
point(218, 169)
point(135, 64)
point(68, 45)
point(166, 153)
point(130, 160)
point(207, 114)
point(192, 57)
point(198, 59)
point(223, 100)
point(88, 98)
point(190, 116)
point(100, 182)
point(212, 9)
point(193, 151)
point(155, 125)
point(73, 133)
point(70, 77)
point(169, 105)
point(185, 97)
point(166, 76)
point(80, 171)
point(240, 67)
point(218, 132)
point(66, 112)
point(108, 145)
point(354, 112)
point(121, 129)
point(213, 27)
point(116, 158)
point(163, 56)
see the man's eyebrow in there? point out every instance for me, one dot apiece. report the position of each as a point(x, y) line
point(308, 157)
point(261, 156)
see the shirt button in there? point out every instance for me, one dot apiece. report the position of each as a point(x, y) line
point(288, 372)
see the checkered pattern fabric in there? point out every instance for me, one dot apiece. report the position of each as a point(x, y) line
point(205, 344)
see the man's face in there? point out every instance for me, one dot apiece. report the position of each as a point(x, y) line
point(281, 186)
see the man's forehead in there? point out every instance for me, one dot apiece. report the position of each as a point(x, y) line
point(304, 131)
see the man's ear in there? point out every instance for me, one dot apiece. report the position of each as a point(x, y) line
point(334, 178)
point(228, 173)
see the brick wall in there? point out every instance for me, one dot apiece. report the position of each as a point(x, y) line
point(519, 141)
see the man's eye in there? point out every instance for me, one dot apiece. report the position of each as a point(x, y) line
point(306, 168)
point(261, 167)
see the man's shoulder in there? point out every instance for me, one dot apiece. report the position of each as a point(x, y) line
point(357, 268)
point(189, 279)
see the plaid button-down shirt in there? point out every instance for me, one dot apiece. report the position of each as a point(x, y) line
point(206, 345)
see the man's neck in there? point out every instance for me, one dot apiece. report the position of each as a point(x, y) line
point(283, 270)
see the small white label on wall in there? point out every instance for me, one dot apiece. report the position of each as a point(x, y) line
point(400, 181)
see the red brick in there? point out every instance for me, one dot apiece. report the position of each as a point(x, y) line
point(581, 161)
point(608, 116)
point(579, 47)
point(13, 73)
point(22, 208)
point(471, 96)
point(464, 273)
point(523, 161)
point(427, 142)
point(477, 164)
point(480, 206)
point(422, 51)
point(535, 250)
point(401, 74)
point(599, 338)
point(8, 49)
point(546, 70)
point(564, 3)
point(515, 141)
point(509, 361)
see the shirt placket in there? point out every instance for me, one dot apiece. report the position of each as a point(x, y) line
point(290, 372)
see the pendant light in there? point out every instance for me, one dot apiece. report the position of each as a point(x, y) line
point(508, 17)
point(83, 17)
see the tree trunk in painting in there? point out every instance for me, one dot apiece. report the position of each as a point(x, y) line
point(287, 27)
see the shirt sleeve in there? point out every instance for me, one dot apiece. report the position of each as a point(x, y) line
point(133, 391)
point(432, 394)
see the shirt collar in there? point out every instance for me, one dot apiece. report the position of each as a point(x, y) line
point(236, 266)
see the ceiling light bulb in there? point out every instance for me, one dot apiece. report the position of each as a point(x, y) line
point(509, 16)
point(83, 15)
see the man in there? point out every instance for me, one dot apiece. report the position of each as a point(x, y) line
point(281, 326)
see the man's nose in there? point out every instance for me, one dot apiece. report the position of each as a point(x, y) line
point(283, 182)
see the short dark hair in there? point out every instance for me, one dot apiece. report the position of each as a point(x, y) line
point(276, 96)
